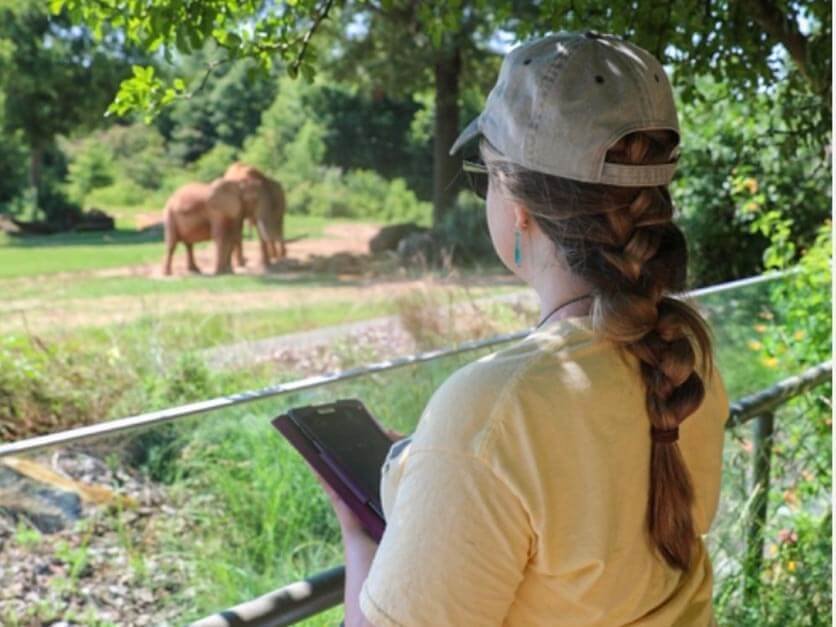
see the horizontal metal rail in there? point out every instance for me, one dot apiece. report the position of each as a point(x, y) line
point(286, 609)
point(173, 413)
point(767, 400)
point(287, 605)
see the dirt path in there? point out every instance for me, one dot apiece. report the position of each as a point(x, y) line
point(39, 315)
point(340, 241)
point(342, 238)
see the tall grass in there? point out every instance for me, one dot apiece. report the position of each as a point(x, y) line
point(258, 518)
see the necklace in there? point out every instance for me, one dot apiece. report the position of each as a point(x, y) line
point(559, 307)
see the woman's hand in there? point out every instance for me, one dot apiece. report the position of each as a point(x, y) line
point(349, 522)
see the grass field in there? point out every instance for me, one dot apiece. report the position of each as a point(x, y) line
point(78, 345)
point(73, 252)
point(283, 527)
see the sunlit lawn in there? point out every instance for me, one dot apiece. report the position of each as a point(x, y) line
point(72, 252)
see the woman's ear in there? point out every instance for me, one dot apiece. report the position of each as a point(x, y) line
point(522, 219)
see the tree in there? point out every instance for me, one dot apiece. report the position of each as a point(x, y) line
point(732, 40)
point(54, 79)
point(225, 111)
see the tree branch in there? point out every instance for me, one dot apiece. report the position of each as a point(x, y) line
point(784, 30)
point(317, 21)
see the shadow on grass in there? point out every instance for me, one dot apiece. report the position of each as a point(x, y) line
point(117, 237)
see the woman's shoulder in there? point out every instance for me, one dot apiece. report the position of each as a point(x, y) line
point(465, 410)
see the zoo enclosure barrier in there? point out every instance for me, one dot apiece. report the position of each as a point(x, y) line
point(313, 595)
point(171, 414)
point(305, 598)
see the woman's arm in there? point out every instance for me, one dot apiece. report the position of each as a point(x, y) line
point(359, 553)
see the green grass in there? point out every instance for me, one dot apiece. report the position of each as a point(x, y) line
point(75, 252)
point(283, 526)
point(93, 287)
point(192, 330)
point(262, 520)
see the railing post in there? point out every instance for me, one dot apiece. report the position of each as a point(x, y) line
point(762, 452)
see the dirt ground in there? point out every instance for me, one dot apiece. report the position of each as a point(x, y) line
point(342, 251)
point(352, 239)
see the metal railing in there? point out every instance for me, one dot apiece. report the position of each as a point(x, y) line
point(302, 599)
point(224, 402)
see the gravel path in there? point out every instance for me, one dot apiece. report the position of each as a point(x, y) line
point(293, 346)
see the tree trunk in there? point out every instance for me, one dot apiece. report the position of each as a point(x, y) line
point(36, 157)
point(448, 64)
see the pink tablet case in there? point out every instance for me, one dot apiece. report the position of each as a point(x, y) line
point(347, 489)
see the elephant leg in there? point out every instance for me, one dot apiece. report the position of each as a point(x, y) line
point(238, 254)
point(282, 248)
point(225, 232)
point(170, 245)
point(274, 254)
point(221, 265)
point(191, 261)
point(239, 247)
point(263, 240)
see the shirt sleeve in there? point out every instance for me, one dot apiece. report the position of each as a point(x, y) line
point(455, 547)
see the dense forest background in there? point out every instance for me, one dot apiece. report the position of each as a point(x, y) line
point(362, 132)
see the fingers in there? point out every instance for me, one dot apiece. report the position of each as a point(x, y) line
point(327, 487)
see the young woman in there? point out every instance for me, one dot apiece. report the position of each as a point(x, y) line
point(566, 480)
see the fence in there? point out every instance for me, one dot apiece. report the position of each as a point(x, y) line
point(303, 599)
point(112, 427)
point(323, 591)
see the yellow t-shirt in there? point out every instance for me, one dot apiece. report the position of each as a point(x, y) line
point(521, 497)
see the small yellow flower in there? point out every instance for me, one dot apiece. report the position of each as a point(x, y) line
point(791, 566)
point(751, 184)
point(755, 345)
point(750, 207)
point(760, 328)
point(769, 362)
point(798, 335)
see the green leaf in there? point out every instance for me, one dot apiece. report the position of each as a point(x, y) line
point(55, 6)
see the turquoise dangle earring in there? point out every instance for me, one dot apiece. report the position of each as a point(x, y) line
point(517, 248)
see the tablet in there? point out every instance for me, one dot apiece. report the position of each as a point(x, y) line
point(347, 447)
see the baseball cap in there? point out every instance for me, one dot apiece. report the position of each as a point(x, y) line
point(562, 101)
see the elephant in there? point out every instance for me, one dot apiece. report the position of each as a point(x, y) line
point(197, 212)
point(265, 206)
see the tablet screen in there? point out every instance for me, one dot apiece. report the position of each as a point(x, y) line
point(353, 441)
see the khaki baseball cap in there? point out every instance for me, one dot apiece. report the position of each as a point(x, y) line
point(562, 101)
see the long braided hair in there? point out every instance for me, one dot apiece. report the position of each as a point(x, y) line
point(622, 240)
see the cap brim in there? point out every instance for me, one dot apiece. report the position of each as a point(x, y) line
point(470, 131)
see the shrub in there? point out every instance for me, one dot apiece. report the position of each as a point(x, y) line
point(91, 167)
point(214, 163)
point(464, 231)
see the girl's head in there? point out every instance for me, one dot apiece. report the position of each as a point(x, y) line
point(579, 138)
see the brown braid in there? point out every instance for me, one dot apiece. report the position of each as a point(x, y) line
point(623, 242)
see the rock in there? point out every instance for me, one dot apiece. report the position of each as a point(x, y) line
point(419, 248)
point(95, 220)
point(48, 509)
point(7, 226)
point(389, 236)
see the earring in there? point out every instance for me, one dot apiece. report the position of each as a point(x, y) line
point(517, 248)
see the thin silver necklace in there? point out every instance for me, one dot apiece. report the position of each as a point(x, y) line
point(559, 307)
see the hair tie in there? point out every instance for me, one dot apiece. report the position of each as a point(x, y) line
point(664, 436)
